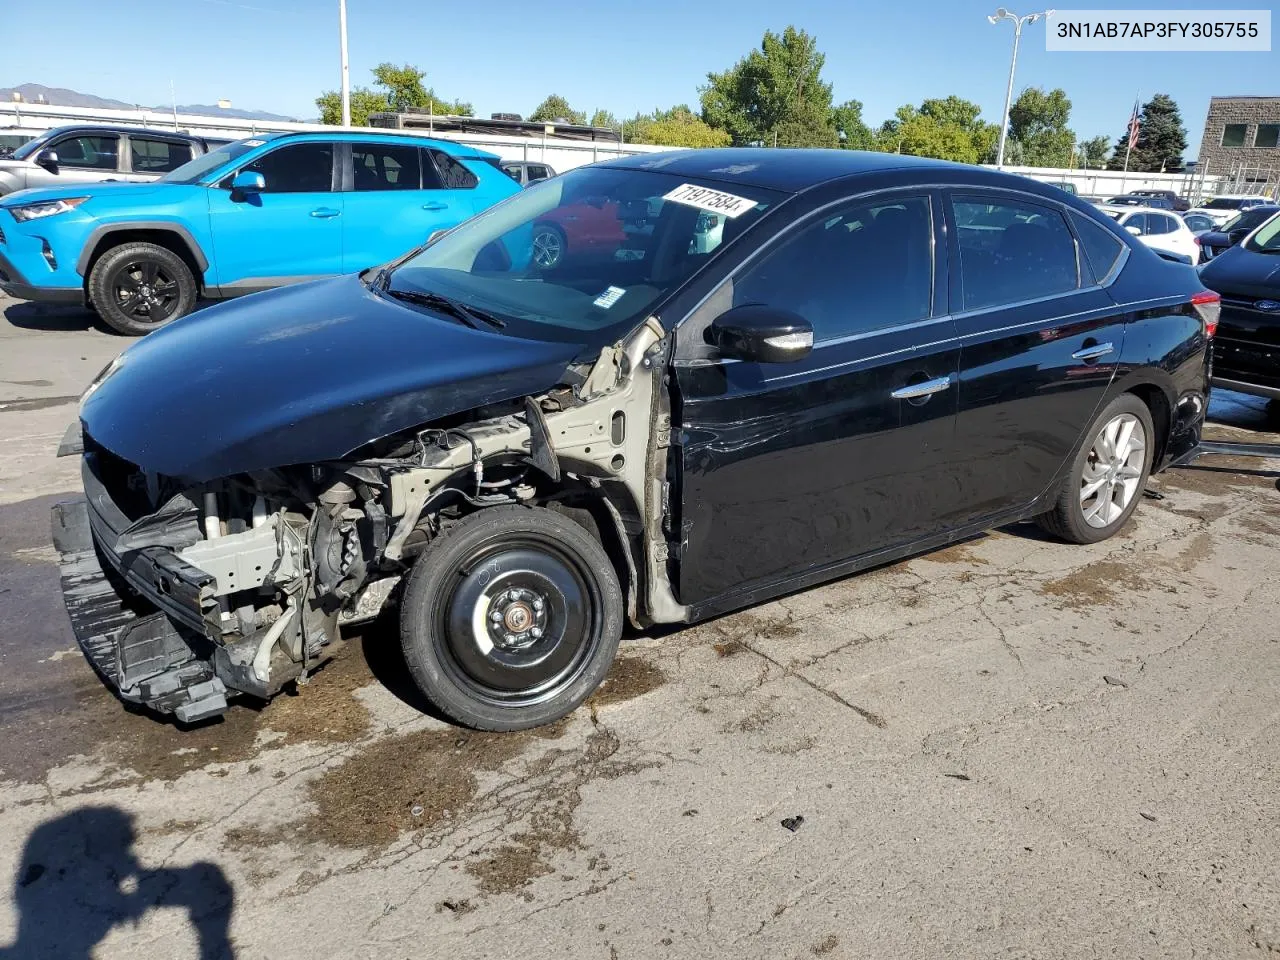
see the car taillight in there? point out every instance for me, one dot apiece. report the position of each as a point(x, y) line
point(1209, 306)
point(1198, 243)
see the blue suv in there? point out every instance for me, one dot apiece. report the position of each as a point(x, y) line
point(251, 215)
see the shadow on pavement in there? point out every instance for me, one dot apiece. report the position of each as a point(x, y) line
point(43, 316)
point(79, 878)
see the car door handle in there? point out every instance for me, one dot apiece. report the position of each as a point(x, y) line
point(435, 205)
point(1092, 352)
point(913, 391)
point(324, 213)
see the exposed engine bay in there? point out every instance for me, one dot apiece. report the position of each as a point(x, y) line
point(242, 585)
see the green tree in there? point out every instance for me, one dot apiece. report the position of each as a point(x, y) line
point(677, 127)
point(1161, 138)
point(556, 107)
point(363, 102)
point(947, 129)
point(603, 118)
point(853, 132)
point(1095, 151)
point(773, 93)
point(402, 88)
point(1038, 125)
point(403, 84)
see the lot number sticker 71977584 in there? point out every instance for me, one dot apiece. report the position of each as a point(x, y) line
point(704, 198)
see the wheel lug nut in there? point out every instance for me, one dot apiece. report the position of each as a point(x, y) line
point(538, 605)
point(496, 617)
point(535, 632)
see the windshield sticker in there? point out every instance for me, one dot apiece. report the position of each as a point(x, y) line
point(609, 297)
point(254, 143)
point(705, 198)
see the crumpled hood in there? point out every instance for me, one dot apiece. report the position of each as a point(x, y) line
point(300, 375)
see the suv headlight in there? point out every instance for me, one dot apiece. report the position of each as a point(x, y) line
point(44, 208)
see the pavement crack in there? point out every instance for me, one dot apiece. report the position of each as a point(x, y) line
point(872, 718)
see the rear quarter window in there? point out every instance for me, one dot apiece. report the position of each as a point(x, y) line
point(453, 175)
point(1102, 248)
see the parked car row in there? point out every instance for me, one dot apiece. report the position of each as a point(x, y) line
point(95, 152)
point(244, 217)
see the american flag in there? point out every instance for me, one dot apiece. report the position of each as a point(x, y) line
point(1135, 127)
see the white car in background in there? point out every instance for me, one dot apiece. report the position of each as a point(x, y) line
point(1222, 208)
point(1161, 230)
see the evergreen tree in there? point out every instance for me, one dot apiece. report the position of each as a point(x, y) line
point(1161, 139)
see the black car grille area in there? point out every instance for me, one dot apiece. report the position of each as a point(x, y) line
point(124, 482)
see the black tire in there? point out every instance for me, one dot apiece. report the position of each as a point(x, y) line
point(504, 561)
point(139, 287)
point(552, 234)
point(1067, 518)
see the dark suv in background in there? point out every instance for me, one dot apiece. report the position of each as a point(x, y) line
point(1176, 203)
point(93, 153)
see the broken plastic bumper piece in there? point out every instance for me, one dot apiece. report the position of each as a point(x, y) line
point(143, 657)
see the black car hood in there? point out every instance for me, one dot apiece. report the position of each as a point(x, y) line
point(300, 375)
point(1241, 272)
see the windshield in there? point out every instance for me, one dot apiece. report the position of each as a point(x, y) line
point(1224, 203)
point(1267, 239)
point(582, 258)
point(1248, 220)
point(193, 171)
point(33, 146)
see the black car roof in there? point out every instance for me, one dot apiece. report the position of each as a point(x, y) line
point(779, 169)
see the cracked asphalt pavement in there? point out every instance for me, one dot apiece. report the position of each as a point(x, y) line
point(1008, 748)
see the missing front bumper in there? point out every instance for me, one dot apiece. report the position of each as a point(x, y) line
point(143, 657)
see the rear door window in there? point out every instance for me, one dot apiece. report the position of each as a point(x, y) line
point(157, 156)
point(1011, 251)
point(862, 268)
point(385, 167)
point(91, 152)
point(1158, 224)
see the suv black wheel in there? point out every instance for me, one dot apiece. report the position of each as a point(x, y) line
point(137, 287)
point(1107, 476)
point(511, 618)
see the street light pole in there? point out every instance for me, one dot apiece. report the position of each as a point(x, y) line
point(1018, 23)
point(346, 73)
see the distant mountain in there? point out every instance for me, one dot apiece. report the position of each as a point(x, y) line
point(62, 97)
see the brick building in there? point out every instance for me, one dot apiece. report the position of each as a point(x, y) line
point(1242, 139)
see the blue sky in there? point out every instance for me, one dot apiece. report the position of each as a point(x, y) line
point(621, 55)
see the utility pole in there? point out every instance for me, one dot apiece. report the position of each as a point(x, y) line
point(1018, 23)
point(346, 72)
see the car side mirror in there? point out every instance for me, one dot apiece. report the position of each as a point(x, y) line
point(248, 182)
point(1237, 236)
point(48, 159)
point(1135, 231)
point(762, 334)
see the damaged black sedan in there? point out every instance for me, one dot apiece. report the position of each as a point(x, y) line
point(742, 373)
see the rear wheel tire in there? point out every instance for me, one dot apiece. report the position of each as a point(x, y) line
point(511, 618)
point(139, 287)
point(1107, 476)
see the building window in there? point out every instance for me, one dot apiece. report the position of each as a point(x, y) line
point(1233, 134)
point(1268, 135)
